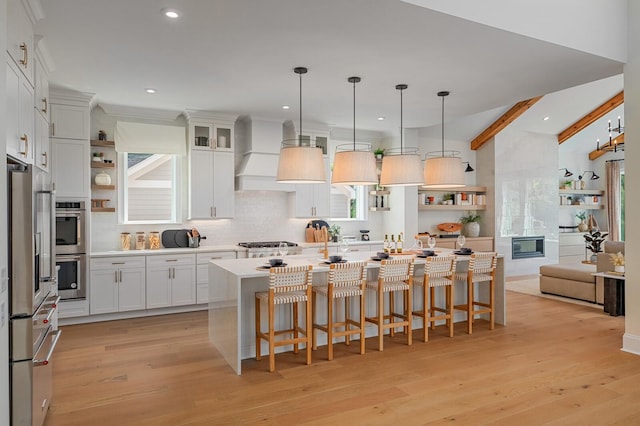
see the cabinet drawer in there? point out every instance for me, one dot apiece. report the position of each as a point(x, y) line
point(171, 260)
point(117, 262)
point(204, 258)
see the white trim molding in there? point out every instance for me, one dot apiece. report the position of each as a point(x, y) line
point(631, 343)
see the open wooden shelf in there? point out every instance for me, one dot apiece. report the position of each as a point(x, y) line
point(107, 187)
point(581, 191)
point(103, 209)
point(96, 165)
point(106, 144)
point(582, 206)
point(380, 209)
point(454, 189)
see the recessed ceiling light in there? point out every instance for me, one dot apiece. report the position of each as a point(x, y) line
point(150, 90)
point(285, 106)
point(546, 118)
point(380, 118)
point(171, 13)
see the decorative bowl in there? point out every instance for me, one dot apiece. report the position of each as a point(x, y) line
point(275, 262)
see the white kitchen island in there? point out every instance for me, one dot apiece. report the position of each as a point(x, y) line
point(233, 283)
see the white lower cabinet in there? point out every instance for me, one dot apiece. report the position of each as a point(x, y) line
point(171, 280)
point(202, 275)
point(117, 284)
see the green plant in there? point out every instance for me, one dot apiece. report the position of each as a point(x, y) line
point(470, 217)
point(581, 215)
point(334, 230)
point(568, 183)
point(594, 240)
point(379, 151)
point(447, 197)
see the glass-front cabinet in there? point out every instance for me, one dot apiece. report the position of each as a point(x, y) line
point(210, 132)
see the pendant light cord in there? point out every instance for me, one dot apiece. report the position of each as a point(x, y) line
point(354, 114)
point(300, 137)
point(401, 121)
point(443, 126)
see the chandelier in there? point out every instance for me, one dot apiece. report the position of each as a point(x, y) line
point(615, 144)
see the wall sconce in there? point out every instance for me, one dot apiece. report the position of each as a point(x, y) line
point(593, 175)
point(567, 173)
point(469, 168)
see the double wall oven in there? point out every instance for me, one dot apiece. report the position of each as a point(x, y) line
point(71, 249)
point(32, 305)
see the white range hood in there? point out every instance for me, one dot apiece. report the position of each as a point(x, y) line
point(258, 150)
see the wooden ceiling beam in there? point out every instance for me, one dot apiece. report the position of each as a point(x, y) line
point(507, 118)
point(600, 111)
point(597, 153)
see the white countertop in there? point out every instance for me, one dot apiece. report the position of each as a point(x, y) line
point(147, 252)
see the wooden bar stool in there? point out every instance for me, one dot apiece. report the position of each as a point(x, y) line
point(438, 273)
point(395, 275)
point(346, 280)
point(482, 269)
point(287, 285)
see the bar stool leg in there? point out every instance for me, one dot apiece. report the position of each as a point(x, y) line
point(492, 296)
point(449, 298)
point(315, 320)
point(308, 331)
point(258, 331)
point(432, 305)
point(425, 311)
point(380, 319)
point(272, 337)
point(347, 338)
point(295, 327)
point(469, 305)
point(408, 317)
point(392, 304)
point(362, 325)
point(330, 326)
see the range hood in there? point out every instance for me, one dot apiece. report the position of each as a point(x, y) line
point(257, 152)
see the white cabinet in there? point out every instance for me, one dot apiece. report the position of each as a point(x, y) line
point(20, 45)
point(311, 200)
point(202, 276)
point(69, 122)
point(41, 101)
point(42, 157)
point(211, 180)
point(171, 280)
point(117, 284)
point(20, 115)
point(71, 168)
point(207, 135)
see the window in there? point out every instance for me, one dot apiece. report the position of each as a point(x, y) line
point(150, 183)
point(622, 238)
point(348, 202)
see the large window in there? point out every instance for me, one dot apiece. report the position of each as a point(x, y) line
point(348, 202)
point(150, 183)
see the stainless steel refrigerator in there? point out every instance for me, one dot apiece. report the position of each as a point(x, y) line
point(32, 338)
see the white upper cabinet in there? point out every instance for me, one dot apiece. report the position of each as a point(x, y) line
point(210, 131)
point(20, 45)
point(42, 157)
point(312, 199)
point(20, 115)
point(69, 122)
point(41, 101)
point(211, 191)
point(71, 168)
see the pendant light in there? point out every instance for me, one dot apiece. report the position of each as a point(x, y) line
point(298, 163)
point(443, 169)
point(354, 165)
point(401, 167)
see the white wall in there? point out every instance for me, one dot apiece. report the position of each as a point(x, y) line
point(4, 300)
point(631, 339)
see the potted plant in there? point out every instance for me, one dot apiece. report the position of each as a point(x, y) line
point(568, 184)
point(471, 224)
point(594, 240)
point(379, 153)
point(334, 231)
point(618, 261)
point(582, 226)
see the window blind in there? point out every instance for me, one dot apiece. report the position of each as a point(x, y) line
point(150, 138)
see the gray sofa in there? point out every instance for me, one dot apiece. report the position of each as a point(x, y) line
point(577, 280)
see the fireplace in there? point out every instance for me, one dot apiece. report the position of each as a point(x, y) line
point(526, 247)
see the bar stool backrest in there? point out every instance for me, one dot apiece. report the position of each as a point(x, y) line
point(440, 266)
point(483, 263)
point(394, 270)
point(350, 274)
point(290, 278)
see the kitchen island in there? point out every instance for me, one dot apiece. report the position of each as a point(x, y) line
point(233, 283)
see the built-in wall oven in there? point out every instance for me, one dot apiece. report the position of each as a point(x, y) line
point(32, 338)
point(71, 248)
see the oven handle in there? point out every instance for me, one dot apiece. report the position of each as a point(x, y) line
point(56, 337)
point(51, 310)
point(68, 258)
point(52, 301)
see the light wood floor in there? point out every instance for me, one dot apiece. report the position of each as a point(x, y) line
point(555, 363)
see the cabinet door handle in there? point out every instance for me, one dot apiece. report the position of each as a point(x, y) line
point(46, 105)
point(120, 276)
point(117, 263)
point(170, 273)
point(53, 129)
point(174, 273)
point(46, 159)
point(25, 138)
point(25, 54)
point(116, 277)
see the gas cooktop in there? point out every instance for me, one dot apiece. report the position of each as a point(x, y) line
point(263, 244)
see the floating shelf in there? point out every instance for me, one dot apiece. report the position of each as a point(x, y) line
point(108, 187)
point(581, 191)
point(379, 192)
point(582, 206)
point(380, 209)
point(455, 189)
point(96, 165)
point(451, 207)
point(106, 144)
point(103, 209)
